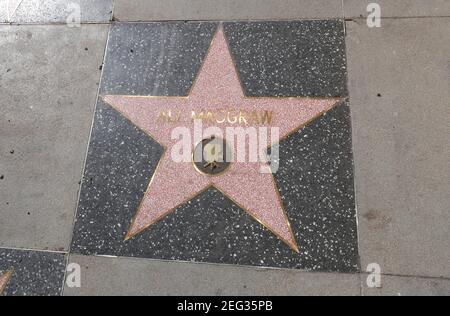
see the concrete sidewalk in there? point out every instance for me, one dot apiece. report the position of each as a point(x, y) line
point(398, 82)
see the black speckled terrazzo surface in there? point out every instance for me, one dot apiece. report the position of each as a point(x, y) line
point(35, 273)
point(290, 59)
point(316, 165)
point(155, 59)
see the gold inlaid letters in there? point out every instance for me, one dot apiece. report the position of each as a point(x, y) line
point(220, 116)
point(168, 117)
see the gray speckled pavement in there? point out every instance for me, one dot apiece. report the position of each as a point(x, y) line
point(364, 185)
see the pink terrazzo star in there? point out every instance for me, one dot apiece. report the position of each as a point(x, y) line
point(217, 87)
point(4, 280)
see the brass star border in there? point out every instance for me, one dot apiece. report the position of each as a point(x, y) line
point(130, 235)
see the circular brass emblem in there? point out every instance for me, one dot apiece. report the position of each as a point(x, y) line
point(212, 156)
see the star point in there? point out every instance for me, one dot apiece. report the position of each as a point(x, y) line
point(5, 279)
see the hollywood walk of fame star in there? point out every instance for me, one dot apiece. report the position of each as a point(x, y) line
point(216, 87)
point(4, 280)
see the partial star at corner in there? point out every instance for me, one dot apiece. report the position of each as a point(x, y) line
point(4, 280)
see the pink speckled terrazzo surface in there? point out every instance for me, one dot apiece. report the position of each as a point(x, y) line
point(217, 87)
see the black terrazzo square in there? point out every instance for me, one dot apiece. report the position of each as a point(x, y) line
point(315, 178)
point(35, 273)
